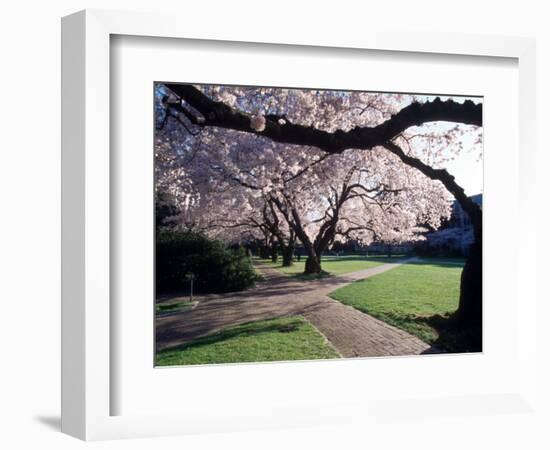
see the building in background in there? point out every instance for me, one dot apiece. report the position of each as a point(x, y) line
point(454, 237)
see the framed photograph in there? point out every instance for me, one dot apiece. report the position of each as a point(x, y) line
point(267, 230)
point(270, 222)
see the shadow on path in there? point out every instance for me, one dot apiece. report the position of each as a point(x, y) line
point(353, 333)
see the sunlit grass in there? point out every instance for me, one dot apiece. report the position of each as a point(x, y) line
point(410, 296)
point(282, 339)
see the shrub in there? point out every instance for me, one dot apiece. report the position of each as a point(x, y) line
point(216, 267)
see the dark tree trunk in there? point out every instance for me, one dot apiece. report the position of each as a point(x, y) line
point(288, 255)
point(264, 252)
point(274, 254)
point(470, 310)
point(313, 265)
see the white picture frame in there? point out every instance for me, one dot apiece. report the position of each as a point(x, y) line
point(86, 222)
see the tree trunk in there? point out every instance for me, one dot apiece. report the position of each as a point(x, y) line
point(264, 252)
point(274, 254)
point(288, 255)
point(470, 309)
point(313, 265)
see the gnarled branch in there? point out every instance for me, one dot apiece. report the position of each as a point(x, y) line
point(220, 115)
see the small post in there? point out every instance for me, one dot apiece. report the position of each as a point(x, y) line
point(191, 277)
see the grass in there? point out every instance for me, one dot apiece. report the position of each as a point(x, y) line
point(332, 265)
point(415, 297)
point(172, 306)
point(282, 339)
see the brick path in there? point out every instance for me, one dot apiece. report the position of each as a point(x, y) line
point(352, 332)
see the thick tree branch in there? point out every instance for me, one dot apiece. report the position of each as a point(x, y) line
point(220, 115)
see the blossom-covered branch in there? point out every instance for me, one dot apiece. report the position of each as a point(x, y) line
point(280, 129)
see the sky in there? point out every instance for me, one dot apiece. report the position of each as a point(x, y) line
point(467, 167)
point(468, 172)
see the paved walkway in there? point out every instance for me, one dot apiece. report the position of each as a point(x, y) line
point(351, 332)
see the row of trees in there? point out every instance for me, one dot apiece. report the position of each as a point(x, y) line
point(284, 166)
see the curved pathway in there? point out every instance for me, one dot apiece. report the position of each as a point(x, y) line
point(352, 332)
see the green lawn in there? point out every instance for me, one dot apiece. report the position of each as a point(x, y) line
point(414, 297)
point(282, 339)
point(333, 265)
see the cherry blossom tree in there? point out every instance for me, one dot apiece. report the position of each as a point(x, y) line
point(359, 196)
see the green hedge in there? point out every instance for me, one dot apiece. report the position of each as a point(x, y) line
point(217, 268)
